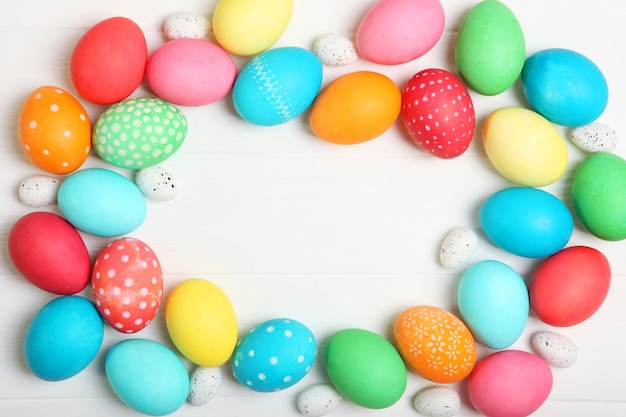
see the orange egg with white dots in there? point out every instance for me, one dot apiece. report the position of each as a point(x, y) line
point(435, 344)
point(54, 130)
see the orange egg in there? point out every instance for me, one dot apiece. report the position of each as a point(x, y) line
point(435, 344)
point(355, 108)
point(54, 130)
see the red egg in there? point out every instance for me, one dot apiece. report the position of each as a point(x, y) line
point(570, 286)
point(438, 113)
point(127, 284)
point(50, 253)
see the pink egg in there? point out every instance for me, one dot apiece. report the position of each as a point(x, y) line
point(509, 383)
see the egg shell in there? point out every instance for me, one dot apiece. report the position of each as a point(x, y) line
point(458, 247)
point(277, 85)
point(565, 86)
point(50, 253)
point(335, 50)
point(556, 349)
point(274, 355)
point(201, 322)
point(139, 132)
point(594, 137)
point(446, 351)
point(493, 302)
point(248, 27)
point(204, 384)
point(355, 107)
point(526, 221)
point(524, 147)
point(437, 401)
point(490, 48)
point(147, 376)
point(186, 25)
point(438, 112)
point(599, 195)
point(365, 368)
point(398, 31)
point(63, 338)
point(568, 287)
point(109, 60)
point(39, 190)
point(101, 202)
point(510, 383)
point(190, 72)
point(127, 284)
point(54, 130)
point(318, 400)
point(156, 183)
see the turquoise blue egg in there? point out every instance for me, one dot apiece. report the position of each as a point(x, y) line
point(101, 202)
point(63, 338)
point(564, 86)
point(274, 355)
point(493, 302)
point(526, 221)
point(147, 376)
point(277, 85)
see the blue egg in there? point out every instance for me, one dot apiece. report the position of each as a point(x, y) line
point(277, 85)
point(63, 338)
point(564, 86)
point(526, 221)
point(101, 202)
point(274, 355)
point(147, 376)
point(493, 302)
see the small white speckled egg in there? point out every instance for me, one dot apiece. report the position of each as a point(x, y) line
point(204, 383)
point(335, 50)
point(458, 247)
point(594, 137)
point(318, 400)
point(156, 183)
point(39, 190)
point(186, 25)
point(556, 349)
point(437, 401)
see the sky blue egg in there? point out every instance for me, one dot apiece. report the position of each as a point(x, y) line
point(101, 202)
point(63, 338)
point(526, 221)
point(493, 302)
point(274, 355)
point(277, 85)
point(147, 376)
point(564, 86)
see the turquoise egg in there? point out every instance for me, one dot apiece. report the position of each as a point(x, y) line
point(493, 302)
point(63, 338)
point(101, 202)
point(147, 376)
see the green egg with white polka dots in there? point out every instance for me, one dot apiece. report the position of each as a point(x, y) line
point(139, 132)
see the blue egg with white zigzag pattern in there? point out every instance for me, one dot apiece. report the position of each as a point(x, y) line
point(277, 85)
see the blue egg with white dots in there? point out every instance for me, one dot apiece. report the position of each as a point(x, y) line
point(274, 355)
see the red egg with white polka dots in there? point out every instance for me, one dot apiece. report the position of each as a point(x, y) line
point(438, 113)
point(127, 284)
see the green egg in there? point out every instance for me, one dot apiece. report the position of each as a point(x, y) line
point(365, 368)
point(490, 50)
point(139, 132)
point(599, 194)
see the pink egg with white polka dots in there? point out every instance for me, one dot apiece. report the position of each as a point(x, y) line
point(127, 284)
point(438, 113)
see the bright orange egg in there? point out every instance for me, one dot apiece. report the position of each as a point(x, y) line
point(54, 130)
point(435, 344)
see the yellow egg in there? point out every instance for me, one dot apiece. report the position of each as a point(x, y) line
point(247, 27)
point(355, 107)
point(201, 322)
point(524, 147)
